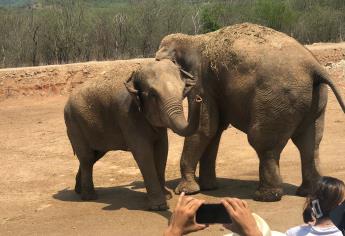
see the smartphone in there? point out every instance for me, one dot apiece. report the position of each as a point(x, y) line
point(212, 214)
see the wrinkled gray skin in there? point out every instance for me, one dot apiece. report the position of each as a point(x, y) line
point(133, 115)
point(270, 87)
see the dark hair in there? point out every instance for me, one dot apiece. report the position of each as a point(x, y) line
point(330, 192)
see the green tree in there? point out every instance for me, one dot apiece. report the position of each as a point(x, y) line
point(209, 19)
point(276, 14)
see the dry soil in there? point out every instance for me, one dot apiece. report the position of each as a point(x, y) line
point(37, 165)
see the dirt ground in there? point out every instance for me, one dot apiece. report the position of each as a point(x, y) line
point(38, 168)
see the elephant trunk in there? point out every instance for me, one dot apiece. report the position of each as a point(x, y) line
point(177, 120)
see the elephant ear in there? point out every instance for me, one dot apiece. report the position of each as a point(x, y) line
point(130, 86)
point(189, 81)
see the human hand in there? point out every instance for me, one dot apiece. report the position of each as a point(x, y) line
point(182, 220)
point(243, 222)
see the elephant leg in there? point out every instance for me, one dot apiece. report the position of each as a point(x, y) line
point(87, 188)
point(207, 166)
point(268, 143)
point(270, 188)
point(77, 188)
point(308, 142)
point(195, 146)
point(160, 158)
point(87, 158)
point(193, 149)
point(144, 156)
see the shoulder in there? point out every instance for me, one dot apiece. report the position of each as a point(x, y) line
point(298, 230)
point(332, 230)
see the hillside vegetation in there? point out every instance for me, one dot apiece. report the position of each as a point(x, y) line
point(64, 31)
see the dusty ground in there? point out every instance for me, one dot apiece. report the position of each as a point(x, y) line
point(38, 168)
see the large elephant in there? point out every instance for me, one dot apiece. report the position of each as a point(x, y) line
point(263, 83)
point(130, 109)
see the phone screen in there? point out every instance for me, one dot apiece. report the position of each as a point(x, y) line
point(212, 214)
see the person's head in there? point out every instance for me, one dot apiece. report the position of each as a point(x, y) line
point(329, 192)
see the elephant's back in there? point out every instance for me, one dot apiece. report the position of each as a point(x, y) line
point(98, 107)
point(257, 65)
point(246, 46)
point(107, 86)
point(99, 100)
point(250, 55)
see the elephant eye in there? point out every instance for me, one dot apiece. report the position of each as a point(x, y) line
point(153, 93)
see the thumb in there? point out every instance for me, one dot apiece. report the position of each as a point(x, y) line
point(200, 226)
point(194, 228)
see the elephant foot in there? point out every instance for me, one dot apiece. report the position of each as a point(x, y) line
point(188, 187)
point(77, 188)
point(158, 203)
point(304, 190)
point(167, 193)
point(159, 207)
point(89, 195)
point(268, 194)
point(207, 185)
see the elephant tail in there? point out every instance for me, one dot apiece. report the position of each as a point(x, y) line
point(321, 76)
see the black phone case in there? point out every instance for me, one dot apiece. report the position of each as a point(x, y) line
point(212, 214)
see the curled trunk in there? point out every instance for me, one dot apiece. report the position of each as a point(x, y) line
point(177, 120)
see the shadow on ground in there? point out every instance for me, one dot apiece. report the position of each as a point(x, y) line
point(127, 196)
point(243, 189)
point(124, 196)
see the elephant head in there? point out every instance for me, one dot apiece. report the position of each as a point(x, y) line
point(158, 89)
point(183, 50)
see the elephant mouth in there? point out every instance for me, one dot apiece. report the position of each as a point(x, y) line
point(198, 99)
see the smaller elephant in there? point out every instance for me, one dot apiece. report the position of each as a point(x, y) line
point(130, 110)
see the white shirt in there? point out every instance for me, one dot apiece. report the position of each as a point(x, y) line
point(309, 230)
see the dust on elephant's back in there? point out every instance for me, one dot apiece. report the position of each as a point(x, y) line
point(243, 46)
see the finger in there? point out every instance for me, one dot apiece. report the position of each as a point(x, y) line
point(235, 203)
point(224, 200)
point(242, 205)
point(191, 203)
point(187, 200)
point(197, 227)
point(198, 201)
point(194, 228)
point(230, 202)
point(195, 205)
point(227, 206)
point(245, 204)
point(201, 226)
point(180, 199)
point(239, 202)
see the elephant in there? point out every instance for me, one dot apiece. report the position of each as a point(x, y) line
point(130, 109)
point(261, 82)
